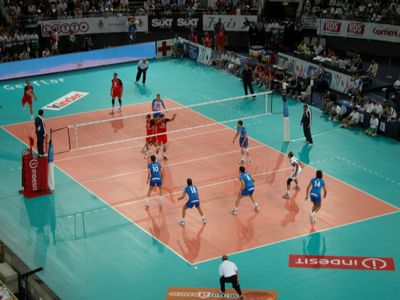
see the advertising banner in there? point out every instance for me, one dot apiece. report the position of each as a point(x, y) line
point(359, 30)
point(174, 22)
point(92, 25)
point(164, 48)
point(231, 22)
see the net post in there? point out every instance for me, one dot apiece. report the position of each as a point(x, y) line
point(268, 110)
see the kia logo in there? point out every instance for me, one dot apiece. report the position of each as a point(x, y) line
point(374, 263)
point(33, 164)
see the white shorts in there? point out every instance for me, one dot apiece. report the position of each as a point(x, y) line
point(293, 177)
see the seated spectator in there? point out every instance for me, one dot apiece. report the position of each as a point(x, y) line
point(257, 72)
point(279, 78)
point(234, 64)
point(338, 112)
point(355, 85)
point(372, 70)
point(46, 52)
point(352, 119)
point(306, 94)
point(357, 99)
point(318, 49)
point(393, 92)
point(293, 86)
point(303, 48)
point(389, 113)
point(373, 125)
point(328, 101)
point(378, 108)
point(369, 106)
point(177, 47)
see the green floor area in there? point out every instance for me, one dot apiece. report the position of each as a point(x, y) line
point(89, 251)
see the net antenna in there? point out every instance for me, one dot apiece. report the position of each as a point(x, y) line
point(132, 127)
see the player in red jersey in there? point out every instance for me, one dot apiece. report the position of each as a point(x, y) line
point(150, 139)
point(27, 97)
point(161, 131)
point(116, 92)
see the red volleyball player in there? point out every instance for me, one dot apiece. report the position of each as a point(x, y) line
point(150, 137)
point(161, 131)
point(116, 92)
point(27, 97)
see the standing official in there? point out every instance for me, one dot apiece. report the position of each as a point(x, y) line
point(247, 77)
point(306, 122)
point(143, 65)
point(40, 132)
point(228, 272)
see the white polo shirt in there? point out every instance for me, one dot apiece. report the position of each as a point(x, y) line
point(227, 269)
point(143, 65)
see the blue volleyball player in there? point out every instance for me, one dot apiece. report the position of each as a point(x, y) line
point(243, 141)
point(194, 200)
point(316, 184)
point(154, 179)
point(247, 189)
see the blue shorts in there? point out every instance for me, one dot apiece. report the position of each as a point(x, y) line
point(245, 144)
point(190, 204)
point(316, 199)
point(248, 191)
point(156, 114)
point(155, 182)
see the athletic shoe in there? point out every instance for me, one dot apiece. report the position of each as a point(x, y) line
point(165, 157)
point(296, 187)
point(241, 162)
point(182, 222)
point(286, 196)
point(234, 211)
point(147, 202)
point(119, 110)
point(112, 112)
point(257, 207)
point(204, 220)
point(249, 162)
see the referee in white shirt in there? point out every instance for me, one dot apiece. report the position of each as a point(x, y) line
point(143, 65)
point(228, 272)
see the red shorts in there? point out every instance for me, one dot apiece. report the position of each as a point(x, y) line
point(26, 100)
point(116, 94)
point(162, 139)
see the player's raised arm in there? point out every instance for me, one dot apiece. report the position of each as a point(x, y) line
point(173, 117)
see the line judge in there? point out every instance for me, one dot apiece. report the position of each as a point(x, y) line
point(228, 272)
point(143, 66)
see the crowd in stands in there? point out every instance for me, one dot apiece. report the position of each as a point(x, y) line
point(380, 11)
point(190, 7)
point(33, 10)
point(18, 45)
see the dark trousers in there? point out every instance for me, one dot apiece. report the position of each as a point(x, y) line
point(139, 73)
point(40, 144)
point(248, 85)
point(235, 283)
point(307, 133)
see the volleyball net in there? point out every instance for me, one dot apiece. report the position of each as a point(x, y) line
point(132, 127)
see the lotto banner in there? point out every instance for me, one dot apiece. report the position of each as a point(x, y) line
point(359, 30)
point(92, 25)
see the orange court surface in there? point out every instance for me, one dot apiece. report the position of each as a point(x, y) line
point(116, 173)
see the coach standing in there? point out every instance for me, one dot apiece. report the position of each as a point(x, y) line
point(40, 132)
point(247, 77)
point(306, 122)
point(143, 65)
point(228, 272)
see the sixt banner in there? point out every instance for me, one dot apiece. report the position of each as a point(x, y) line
point(174, 22)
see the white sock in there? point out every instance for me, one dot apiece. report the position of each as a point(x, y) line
point(242, 157)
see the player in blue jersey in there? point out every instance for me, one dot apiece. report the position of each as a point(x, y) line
point(243, 141)
point(194, 200)
point(157, 106)
point(247, 189)
point(316, 184)
point(154, 178)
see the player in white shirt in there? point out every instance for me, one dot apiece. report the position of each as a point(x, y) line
point(352, 119)
point(373, 125)
point(296, 171)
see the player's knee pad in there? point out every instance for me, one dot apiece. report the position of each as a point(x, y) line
point(113, 101)
point(119, 101)
point(289, 181)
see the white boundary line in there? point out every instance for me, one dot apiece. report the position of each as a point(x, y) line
point(168, 165)
point(108, 204)
point(299, 236)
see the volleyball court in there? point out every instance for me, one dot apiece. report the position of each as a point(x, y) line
point(103, 154)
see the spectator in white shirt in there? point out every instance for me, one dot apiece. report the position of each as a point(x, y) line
point(234, 64)
point(369, 106)
point(351, 119)
point(378, 108)
point(338, 112)
point(228, 272)
point(372, 70)
point(373, 125)
point(143, 66)
point(389, 113)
